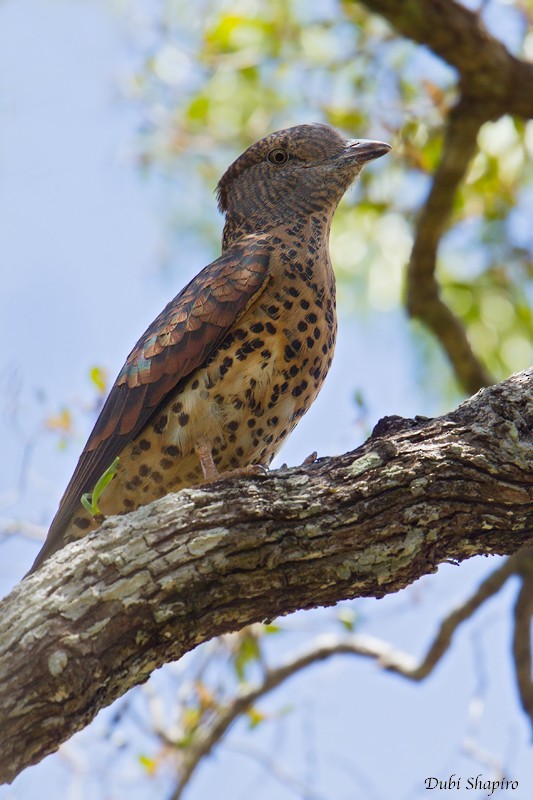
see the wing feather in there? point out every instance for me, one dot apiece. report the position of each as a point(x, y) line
point(179, 341)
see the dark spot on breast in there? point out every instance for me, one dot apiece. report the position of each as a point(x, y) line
point(257, 327)
point(183, 419)
point(288, 353)
point(82, 523)
point(304, 304)
point(171, 450)
point(270, 328)
point(302, 326)
point(166, 463)
point(161, 423)
point(157, 477)
point(144, 444)
point(228, 341)
point(177, 407)
point(233, 425)
point(144, 470)
point(251, 422)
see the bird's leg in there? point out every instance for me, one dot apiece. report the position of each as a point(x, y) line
point(204, 450)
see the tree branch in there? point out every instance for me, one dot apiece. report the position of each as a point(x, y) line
point(147, 587)
point(492, 82)
point(487, 70)
point(423, 297)
point(523, 613)
point(213, 729)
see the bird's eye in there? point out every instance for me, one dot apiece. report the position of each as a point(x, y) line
point(278, 156)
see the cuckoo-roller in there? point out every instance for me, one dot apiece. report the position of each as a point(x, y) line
point(226, 371)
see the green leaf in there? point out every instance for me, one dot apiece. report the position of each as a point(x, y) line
point(247, 652)
point(98, 378)
point(348, 618)
point(255, 717)
point(89, 500)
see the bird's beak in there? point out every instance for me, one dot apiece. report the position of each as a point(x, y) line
point(362, 150)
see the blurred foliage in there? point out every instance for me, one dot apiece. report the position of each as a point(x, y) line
point(217, 76)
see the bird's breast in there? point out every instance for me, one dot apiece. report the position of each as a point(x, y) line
point(245, 399)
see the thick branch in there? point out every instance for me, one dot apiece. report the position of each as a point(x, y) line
point(147, 587)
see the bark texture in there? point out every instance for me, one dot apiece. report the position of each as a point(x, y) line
point(147, 587)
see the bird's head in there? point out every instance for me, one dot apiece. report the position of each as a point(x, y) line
point(293, 173)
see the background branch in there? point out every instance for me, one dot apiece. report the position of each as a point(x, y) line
point(423, 297)
point(523, 612)
point(492, 82)
point(213, 729)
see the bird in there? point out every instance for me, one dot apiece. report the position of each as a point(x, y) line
point(228, 368)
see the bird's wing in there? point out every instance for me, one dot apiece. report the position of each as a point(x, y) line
point(179, 341)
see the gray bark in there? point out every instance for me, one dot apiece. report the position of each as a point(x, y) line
point(148, 587)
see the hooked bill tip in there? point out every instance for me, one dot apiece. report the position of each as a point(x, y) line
point(366, 150)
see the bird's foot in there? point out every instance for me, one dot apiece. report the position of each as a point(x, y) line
point(204, 450)
point(252, 470)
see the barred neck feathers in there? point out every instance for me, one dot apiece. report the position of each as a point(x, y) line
point(297, 175)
